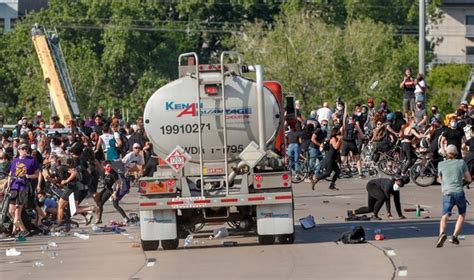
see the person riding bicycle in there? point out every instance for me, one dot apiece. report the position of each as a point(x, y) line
point(23, 169)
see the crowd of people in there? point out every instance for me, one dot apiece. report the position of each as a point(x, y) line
point(332, 138)
point(47, 167)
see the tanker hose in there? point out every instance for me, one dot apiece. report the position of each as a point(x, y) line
point(241, 168)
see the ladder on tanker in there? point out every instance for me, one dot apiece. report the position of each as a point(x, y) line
point(222, 110)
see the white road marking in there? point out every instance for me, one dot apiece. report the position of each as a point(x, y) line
point(402, 271)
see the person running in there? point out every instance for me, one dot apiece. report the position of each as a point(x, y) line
point(451, 173)
point(379, 192)
point(332, 157)
point(115, 186)
point(23, 169)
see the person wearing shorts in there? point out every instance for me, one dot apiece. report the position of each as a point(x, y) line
point(69, 186)
point(350, 132)
point(22, 169)
point(452, 173)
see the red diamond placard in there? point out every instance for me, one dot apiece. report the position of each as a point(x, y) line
point(177, 158)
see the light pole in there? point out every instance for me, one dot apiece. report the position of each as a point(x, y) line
point(421, 38)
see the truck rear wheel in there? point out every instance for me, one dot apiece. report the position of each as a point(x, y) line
point(171, 244)
point(150, 245)
point(266, 239)
point(286, 238)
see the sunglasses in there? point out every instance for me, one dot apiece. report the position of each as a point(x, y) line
point(24, 148)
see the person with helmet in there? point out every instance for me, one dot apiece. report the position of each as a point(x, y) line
point(379, 191)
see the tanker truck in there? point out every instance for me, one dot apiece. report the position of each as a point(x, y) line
point(220, 136)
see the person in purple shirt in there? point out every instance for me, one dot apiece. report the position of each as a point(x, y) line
point(22, 169)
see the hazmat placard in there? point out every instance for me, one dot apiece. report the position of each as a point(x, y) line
point(177, 158)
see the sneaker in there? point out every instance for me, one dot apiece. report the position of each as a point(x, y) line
point(442, 237)
point(454, 239)
point(88, 219)
point(361, 176)
point(98, 222)
point(375, 218)
point(332, 186)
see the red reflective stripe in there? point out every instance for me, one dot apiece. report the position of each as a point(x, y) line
point(283, 197)
point(257, 198)
point(202, 201)
point(148, 204)
point(229, 200)
point(175, 202)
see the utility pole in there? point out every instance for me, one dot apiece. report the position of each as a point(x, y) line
point(421, 38)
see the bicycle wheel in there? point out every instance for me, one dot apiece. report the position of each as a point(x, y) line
point(423, 175)
point(388, 166)
point(299, 176)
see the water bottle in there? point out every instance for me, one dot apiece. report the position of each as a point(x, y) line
point(418, 211)
point(188, 240)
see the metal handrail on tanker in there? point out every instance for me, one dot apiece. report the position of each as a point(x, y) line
point(226, 169)
point(198, 104)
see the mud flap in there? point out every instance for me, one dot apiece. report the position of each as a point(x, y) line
point(158, 224)
point(275, 219)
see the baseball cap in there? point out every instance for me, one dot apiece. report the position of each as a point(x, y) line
point(464, 102)
point(38, 113)
point(451, 149)
point(22, 145)
point(370, 100)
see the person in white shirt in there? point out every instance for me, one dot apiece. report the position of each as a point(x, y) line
point(420, 89)
point(104, 140)
point(324, 113)
point(134, 161)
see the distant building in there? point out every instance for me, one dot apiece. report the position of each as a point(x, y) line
point(11, 10)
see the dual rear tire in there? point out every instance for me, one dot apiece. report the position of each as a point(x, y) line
point(154, 244)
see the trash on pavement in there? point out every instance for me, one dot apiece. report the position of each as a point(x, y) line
point(461, 237)
point(7, 239)
point(20, 239)
point(229, 243)
point(307, 222)
point(379, 237)
point(12, 252)
point(82, 236)
point(219, 233)
point(136, 245)
point(188, 240)
point(53, 254)
point(52, 244)
point(58, 233)
point(38, 264)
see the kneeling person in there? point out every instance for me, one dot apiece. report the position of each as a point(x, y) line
point(379, 192)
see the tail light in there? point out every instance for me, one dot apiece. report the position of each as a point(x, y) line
point(258, 178)
point(285, 176)
point(211, 89)
point(142, 187)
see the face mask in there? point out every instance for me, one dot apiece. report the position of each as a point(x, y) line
point(433, 111)
point(108, 169)
point(453, 124)
point(358, 113)
point(396, 187)
point(41, 200)
point(339, 107)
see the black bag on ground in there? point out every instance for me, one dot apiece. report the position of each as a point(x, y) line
point(355, 236)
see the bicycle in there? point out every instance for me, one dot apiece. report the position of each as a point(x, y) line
point(424, 172)
point(304, 170)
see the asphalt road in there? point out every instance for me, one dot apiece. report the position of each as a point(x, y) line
point(408, 251)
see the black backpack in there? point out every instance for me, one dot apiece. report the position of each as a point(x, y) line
point(355, 236)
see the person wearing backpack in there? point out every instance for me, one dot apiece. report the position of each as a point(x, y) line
point(380, 191)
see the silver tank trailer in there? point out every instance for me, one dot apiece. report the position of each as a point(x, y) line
point(171, 117)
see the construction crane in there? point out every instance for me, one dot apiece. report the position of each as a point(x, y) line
point(56, 75)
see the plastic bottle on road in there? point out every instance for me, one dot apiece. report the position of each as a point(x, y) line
point(82, 236)
point(188, 240)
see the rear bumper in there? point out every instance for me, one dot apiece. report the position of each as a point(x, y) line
point(205, 202)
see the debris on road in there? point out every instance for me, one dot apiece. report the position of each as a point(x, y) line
point(219, 233)
point(151, 262)
point(307, 222)
point(38, 264)
point(325, 201)
point(136, 245)
point(229, 243)
point(188, 240)
point(12, 252)
point(81, 236)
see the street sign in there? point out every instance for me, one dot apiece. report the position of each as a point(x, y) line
point(177, 158)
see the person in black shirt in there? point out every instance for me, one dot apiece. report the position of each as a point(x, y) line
point(379, 192)
point(331, 160)
point(454, 135)
point(317, 139)
point(350, 133)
